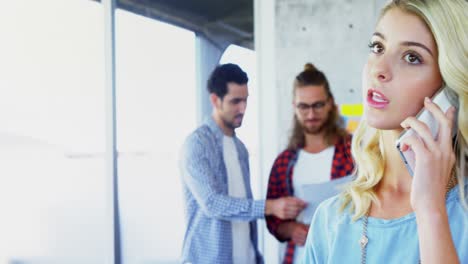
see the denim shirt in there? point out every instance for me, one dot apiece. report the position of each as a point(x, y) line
point(209, 210)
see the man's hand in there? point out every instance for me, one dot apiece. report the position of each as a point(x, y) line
point(285, 207)
point(294, 231)
point(299, 233)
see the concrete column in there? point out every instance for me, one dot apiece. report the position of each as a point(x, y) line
point(207, 58)
point(268, 122)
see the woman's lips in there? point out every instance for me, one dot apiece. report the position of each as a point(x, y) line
point(376, 99)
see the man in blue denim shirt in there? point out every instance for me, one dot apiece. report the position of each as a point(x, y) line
point(220, 211)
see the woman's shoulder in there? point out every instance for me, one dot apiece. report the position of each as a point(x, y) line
point(327, 222)
point(331, 210)
point(331, 203)
point(455, 195)
point(456, 203)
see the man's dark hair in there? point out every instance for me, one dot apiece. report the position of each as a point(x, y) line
point(224, 74)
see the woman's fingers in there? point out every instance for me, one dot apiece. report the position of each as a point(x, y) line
point(416, 144)
point(444, 120)
point(443, 142)
point(422, 130)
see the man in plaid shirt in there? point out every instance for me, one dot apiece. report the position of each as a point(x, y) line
point(318, 151)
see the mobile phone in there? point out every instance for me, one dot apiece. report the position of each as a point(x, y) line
point(442, 100)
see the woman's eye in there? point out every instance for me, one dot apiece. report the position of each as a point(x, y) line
point(376, 47)
point(412, 58)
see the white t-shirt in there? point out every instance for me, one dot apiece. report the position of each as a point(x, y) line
point(310, 168)
point(242, 249)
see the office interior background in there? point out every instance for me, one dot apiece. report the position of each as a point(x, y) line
point(60, 201)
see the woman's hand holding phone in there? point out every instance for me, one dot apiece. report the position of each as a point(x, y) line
point(434, 158)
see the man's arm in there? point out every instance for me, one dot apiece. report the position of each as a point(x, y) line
point(285, 207)
point(202, 181)
point(277, 190)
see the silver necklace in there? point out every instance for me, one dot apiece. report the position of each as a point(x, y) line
point(364, 240)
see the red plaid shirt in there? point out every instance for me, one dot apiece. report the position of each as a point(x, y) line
point(281, 177)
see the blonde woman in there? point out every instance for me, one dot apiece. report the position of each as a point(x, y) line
point(386, 215)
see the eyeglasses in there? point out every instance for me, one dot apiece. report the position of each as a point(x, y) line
point(317, 106)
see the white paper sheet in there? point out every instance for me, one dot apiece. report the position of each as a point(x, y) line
point(314, 194)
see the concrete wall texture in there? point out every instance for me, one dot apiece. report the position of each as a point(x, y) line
point(331, 34)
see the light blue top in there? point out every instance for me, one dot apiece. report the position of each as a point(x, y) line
point(209, 208)
point(333, 236)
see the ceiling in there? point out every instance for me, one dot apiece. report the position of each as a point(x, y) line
point(221, 22)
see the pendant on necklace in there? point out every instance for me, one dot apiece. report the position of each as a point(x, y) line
point(363, 241)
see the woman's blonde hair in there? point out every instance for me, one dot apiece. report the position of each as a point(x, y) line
point(448, 22)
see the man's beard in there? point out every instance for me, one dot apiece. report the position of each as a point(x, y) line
point(231, 124)
point(313, 130)
point(317, 129)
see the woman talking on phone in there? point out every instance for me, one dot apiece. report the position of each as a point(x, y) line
point(387, 215)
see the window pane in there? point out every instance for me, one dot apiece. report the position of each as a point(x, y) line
point(155, 111)
point(52, 132)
